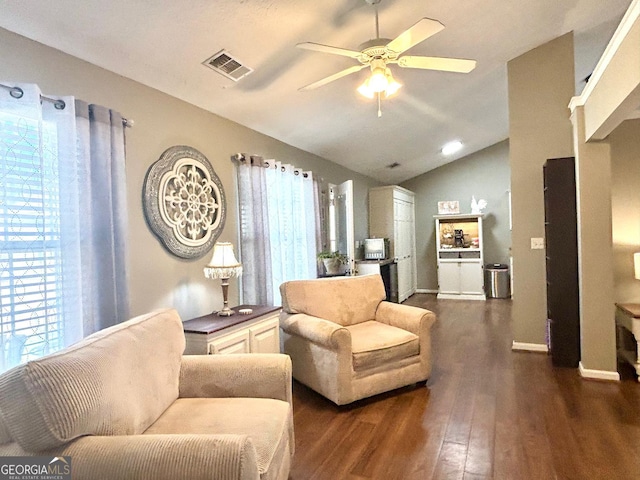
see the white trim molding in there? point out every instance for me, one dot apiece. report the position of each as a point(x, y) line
point(598, 374)
point(426, 290)
point(529, 347)
point(455, 296)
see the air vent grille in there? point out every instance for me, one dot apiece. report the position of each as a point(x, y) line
point(393, 165)
point(223, 63)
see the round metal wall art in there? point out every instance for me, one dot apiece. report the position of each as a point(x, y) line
point(184, 202)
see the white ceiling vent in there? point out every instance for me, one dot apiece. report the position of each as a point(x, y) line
point(223, 63)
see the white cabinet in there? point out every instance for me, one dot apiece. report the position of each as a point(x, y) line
point(460, 257)
point(392, 216)
point(264, 337)
point(236, 342)
point(258, 332)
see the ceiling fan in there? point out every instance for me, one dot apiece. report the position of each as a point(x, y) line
point(379, 53)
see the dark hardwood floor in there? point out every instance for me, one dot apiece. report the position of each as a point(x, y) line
point(486, 412)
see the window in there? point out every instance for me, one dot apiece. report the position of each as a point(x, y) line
point(279, 227)
point(30, 254)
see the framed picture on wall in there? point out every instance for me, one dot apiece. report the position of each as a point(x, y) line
point(448, 207)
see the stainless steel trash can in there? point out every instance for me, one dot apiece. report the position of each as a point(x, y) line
point(496, 280)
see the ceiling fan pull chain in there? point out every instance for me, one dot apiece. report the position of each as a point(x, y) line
point(379, 106)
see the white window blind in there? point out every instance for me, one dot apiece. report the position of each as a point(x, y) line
point(30, 253)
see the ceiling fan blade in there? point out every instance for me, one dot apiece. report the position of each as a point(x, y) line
point(458, 65)
point(422, 30)
point(328, 49)
point(333, 77)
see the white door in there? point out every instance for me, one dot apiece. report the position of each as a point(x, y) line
point(449, 278)
point(341, 197)
point(471, 279)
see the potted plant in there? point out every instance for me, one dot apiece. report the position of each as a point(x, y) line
point(333, 261)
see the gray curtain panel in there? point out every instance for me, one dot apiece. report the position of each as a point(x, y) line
point(255, 247)
point(101, 146)
point(63, 221)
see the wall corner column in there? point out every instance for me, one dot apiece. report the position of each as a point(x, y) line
point(595, 252)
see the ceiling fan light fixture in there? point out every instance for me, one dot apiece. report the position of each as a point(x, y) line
point(365, 91)
point(392, 86)
point(380, 81)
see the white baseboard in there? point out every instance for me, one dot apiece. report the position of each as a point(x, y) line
point(529, 347)
point(425, 290)
point(598, 374)
point(447, 296)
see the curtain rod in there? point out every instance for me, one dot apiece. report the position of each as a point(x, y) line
point(17, 92)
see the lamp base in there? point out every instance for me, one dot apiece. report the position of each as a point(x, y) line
point(225, 312)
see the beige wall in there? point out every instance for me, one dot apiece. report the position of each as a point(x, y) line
point(541, 84)
point(158, 278)
point(484, 174)
point(595, 251)
point(625, 206)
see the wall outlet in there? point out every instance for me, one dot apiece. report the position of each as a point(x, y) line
point(537, 244)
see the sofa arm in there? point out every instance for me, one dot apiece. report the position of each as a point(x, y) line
point(413, 319)
point(257, 375)
point(162, 457)
point(317, 330)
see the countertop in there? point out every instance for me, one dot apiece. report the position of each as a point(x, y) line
point(386, 261)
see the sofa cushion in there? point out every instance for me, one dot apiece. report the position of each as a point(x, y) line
point(115, 382)
point(265, 421)
point(342, 300)
point(374, 344)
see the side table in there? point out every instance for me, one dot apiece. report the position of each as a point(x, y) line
point(628, 333)
point(257, 332)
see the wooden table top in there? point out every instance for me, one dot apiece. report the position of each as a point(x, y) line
point(212, 322)
point(632, 309)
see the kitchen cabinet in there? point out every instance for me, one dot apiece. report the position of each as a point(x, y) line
point(392, 216)
point(460, 257)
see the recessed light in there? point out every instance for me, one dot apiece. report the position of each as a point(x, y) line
point(452, 147)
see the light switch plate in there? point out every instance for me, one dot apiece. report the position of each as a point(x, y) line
point(537, 244)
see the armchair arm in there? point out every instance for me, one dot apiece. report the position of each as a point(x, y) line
point(317, 330)
point(258, 375)
point(413, 319)
point(162, 457)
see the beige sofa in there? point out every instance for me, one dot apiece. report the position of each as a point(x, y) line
point(125, 403)
point(346, 343)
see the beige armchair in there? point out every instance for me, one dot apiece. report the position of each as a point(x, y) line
point(125, 404)
point(346, 343)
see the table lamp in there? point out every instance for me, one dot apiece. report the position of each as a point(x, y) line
point(223, 265)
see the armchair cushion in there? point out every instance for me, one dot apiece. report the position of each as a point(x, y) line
point(375, 343)
point(265, 421)
point(334, 299)
point(78, 391)
point(256, 375)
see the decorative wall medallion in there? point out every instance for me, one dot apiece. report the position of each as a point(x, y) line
point(184, 202)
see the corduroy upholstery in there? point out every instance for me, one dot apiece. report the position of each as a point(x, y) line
point(126, 404)
point(347, 343)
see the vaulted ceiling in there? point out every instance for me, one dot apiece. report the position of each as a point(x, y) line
point(162, 43)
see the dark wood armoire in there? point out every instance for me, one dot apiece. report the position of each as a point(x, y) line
point(561, 236)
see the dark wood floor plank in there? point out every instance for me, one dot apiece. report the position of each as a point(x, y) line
point(486, 413)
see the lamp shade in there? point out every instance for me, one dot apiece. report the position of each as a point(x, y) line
point(223, 263)
point(636, 265)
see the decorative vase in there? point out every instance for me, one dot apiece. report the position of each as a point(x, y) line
point(331, 265)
